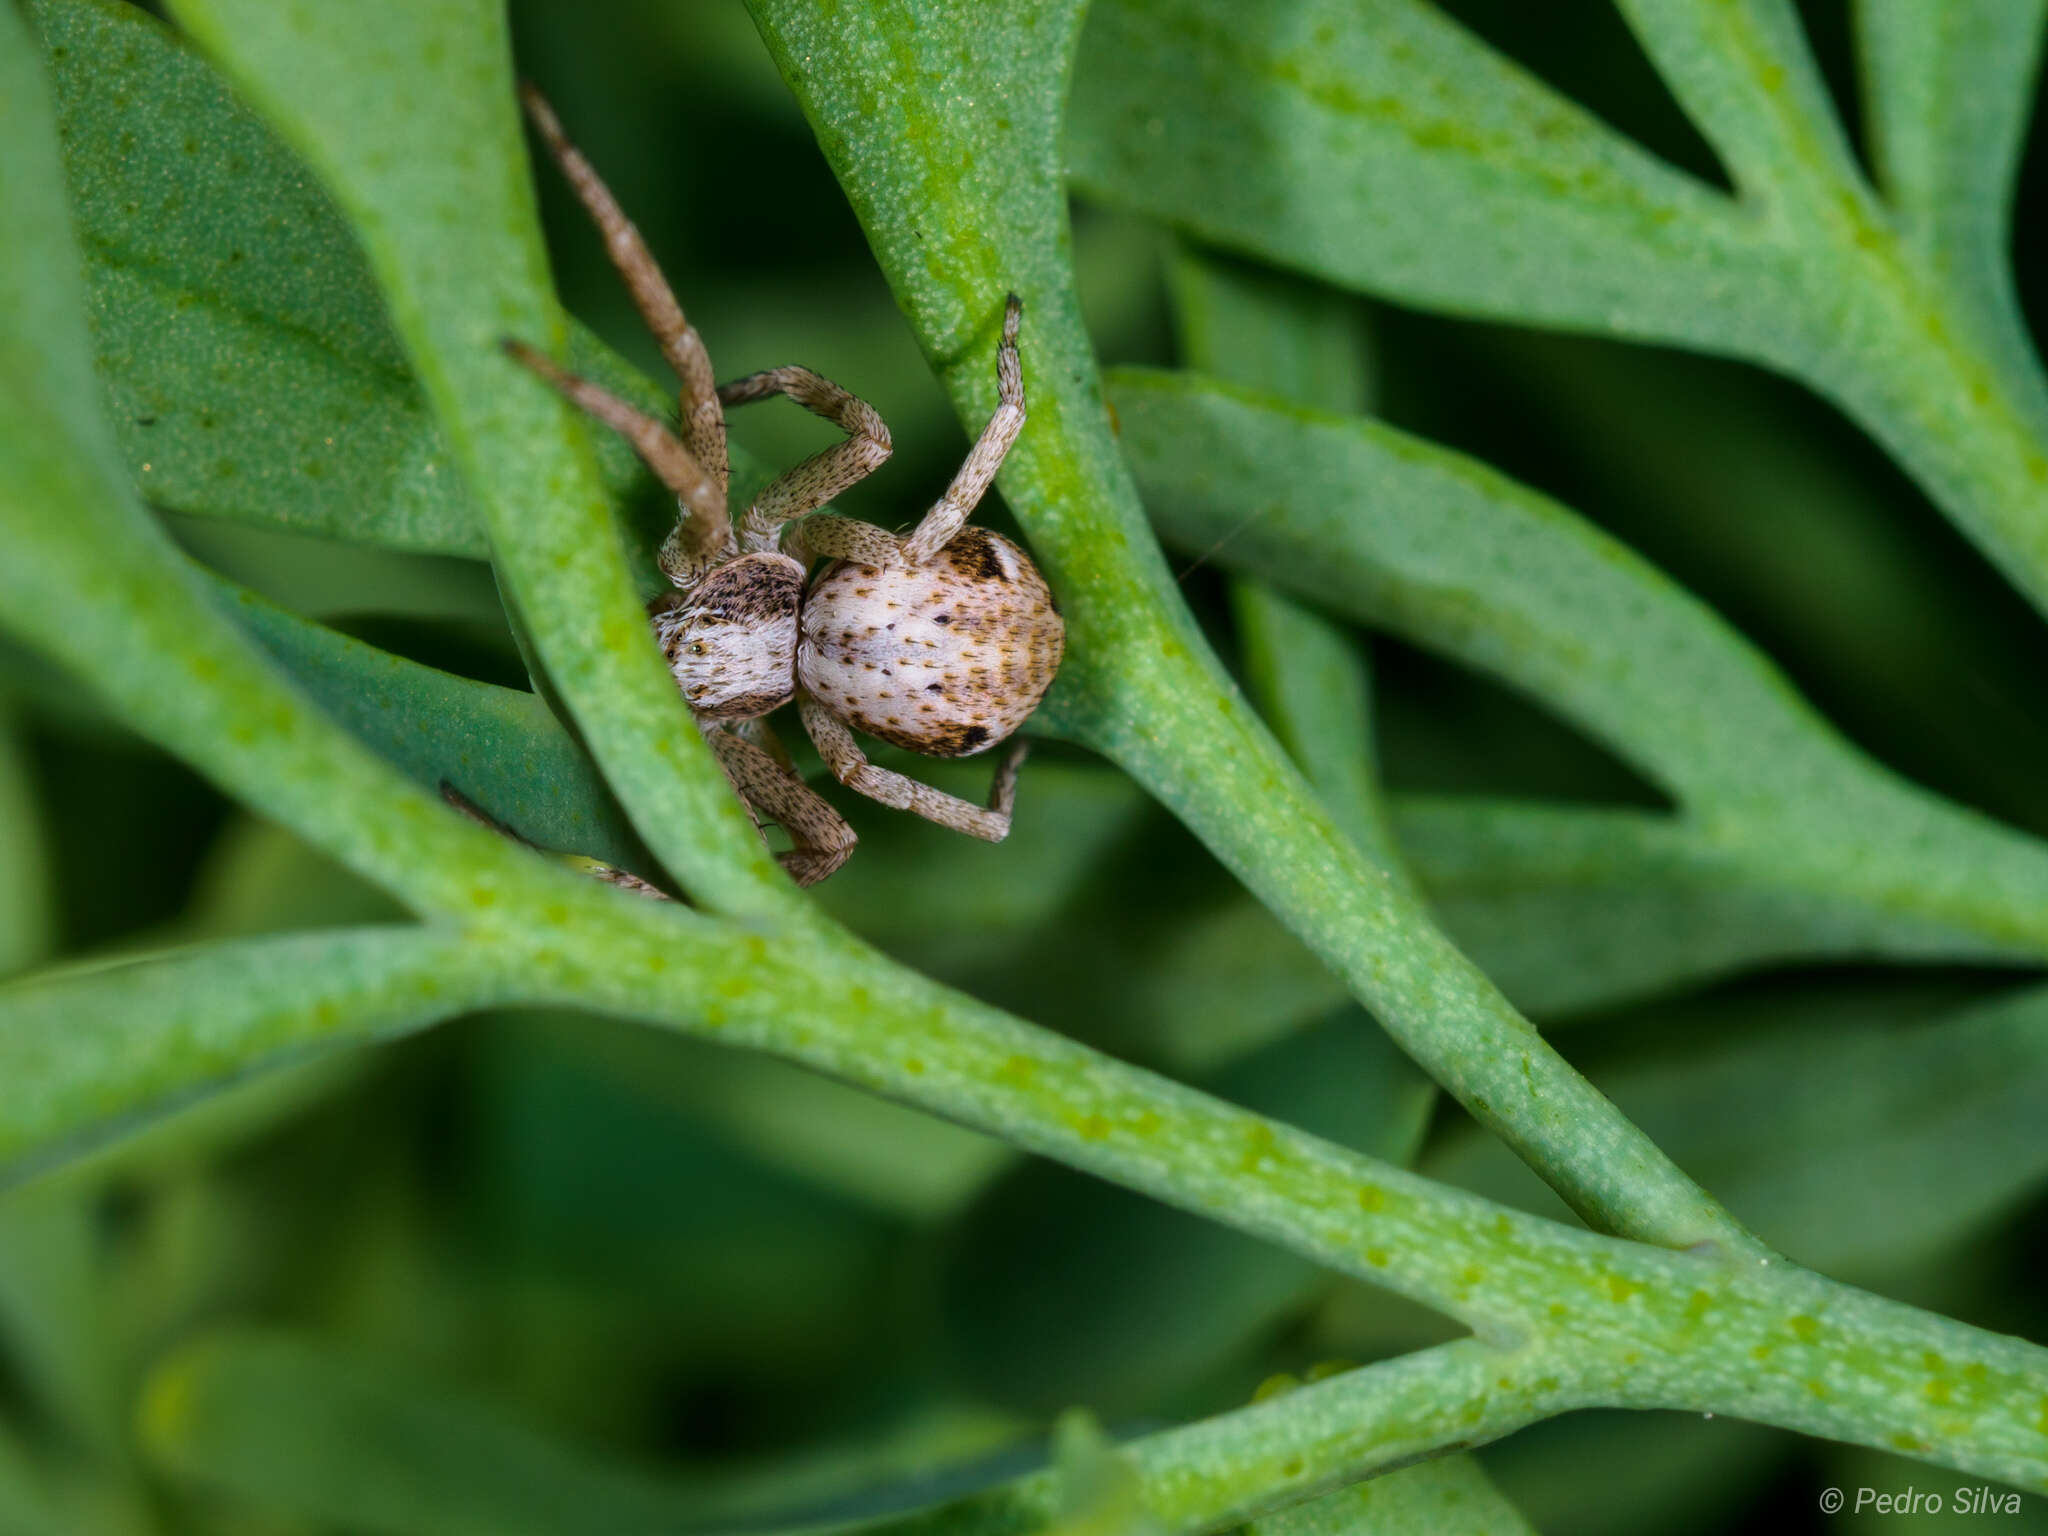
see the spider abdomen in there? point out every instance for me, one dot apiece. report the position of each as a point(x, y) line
point(945, 659)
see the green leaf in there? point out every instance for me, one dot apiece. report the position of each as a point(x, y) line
point(502, 747)
point(1449, 553)
point(1286, 337)
point(1574, 908)
point(250, 370)
point(94, 583)
point(1270, 331)
point(276, 395)
point(1745, 76)
point(85, 1049)
point(1860, 1144)
point(1387, 148)
point(1948, 88)
point(1459, 558)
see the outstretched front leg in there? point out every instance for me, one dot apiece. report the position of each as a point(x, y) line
point(850, 767)
point(953, 509)
point(703, 420)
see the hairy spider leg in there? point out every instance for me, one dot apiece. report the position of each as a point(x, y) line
point(804, 489)
point(953, 509)
point(703, 419)
point(849, 765)
point(827, 537)
point(767, 785)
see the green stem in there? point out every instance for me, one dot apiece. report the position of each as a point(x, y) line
point(1717, 1330)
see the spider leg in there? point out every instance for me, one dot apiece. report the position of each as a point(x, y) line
point(826, 537)
point(850, 766)
point(762, 735)
point(703, 420)
point(703, 531)
point(823, 475)
point(985, 457)
point(770, 788)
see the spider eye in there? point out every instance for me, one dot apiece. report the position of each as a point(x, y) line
point(698, 648)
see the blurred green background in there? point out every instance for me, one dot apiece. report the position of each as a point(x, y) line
point(717, 1290)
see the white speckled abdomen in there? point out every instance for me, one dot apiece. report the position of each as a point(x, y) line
point(945, 659)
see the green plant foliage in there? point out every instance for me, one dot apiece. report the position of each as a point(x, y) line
point(365, 1169)
point(1411, 170)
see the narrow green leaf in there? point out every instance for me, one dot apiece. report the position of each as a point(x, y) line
point(1452, 554)
point(1860, 1145)
point(1573, 908)
point(84, 1050)
point(1905, 342)
point(1311, 684)
point(1948, 87)
point(1745, 76)
point(250, 369)
point(407, 110)
point(1270, 331)
point(1385, 147)
point(1283, 336)
point(501, 747)
point(1457, 557)
point(1333, 139)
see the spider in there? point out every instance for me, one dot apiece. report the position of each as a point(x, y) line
point(942, 641)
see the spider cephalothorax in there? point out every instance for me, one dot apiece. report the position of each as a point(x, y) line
point(942, 641)
point(731, 638)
